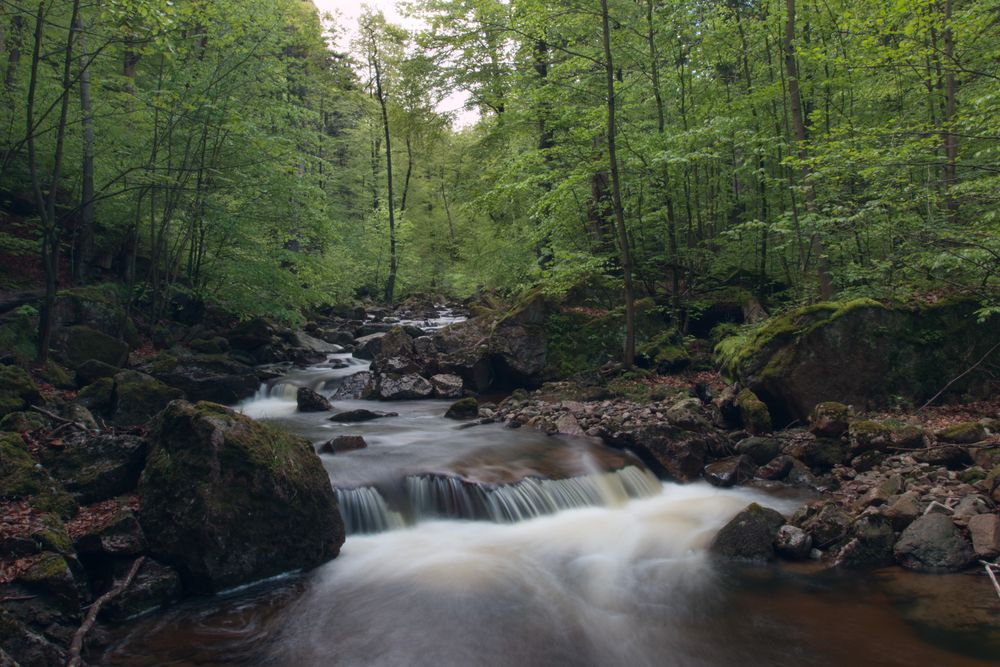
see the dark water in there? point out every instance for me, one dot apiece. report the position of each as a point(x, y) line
point(625, 582)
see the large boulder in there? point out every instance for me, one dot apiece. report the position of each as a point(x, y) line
point(393, 387)
point(864, 354)
point(227, 501)
point(933, 543)
point(139, 397)
point(17, 390)
point(308, 400)
point(353, 387)
point(97, 467)
point(80, 343)
point(681, 454)
point(750, 535)
point(206, 377)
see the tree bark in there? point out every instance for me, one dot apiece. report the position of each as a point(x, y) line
point(390, 283)
point(85, 233)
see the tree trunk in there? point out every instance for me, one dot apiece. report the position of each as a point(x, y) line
point(390, 283)
point(15, 43)
point(950, 138)
point(85, 232)
point(616, 193)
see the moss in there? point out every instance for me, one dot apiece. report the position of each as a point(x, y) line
point(963, 433)
point(577, 342)
point(52, 536)
point(106, 293)
point(138, 397)
point(753, 412)
point(18, 475)
point(867, 434)
point(18, 338)
point(214, 345)
point(17, 390)
point(57, 376)
point(98, 395)
point(50, 568)
point(23, 421)
point(162, 363)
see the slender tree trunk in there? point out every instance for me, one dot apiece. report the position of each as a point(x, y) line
point(390, 283)
point(950, 138)
point(15, 43)
point(409, 172)
point(616, 193)
point(85, 233)
point(801, 138)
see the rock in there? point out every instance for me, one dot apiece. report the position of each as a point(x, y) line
point(681, 454)
point(98, 306)
point(778, 468)
point(139, 397)
point(228, 501)
point(867, 436)
point(792, 543)
point(753, 413)
point(92, 370)
point(687, 414)
point(22, 476)
point(952, 457)
point(319, 347)
point(402, 387)
point(826, 521)
point(829, 419)
point(904, 509)
point(354, 387)
point(932, 543)
point(80, 343)
point(870, 545)
point(761, 450)
point(965, 433)
point(567, 424)
point(122, 537)
point(446, 385)
point(208, 377)
point(820, 454)
point(731, 471)
point(26, 421)
point(985, 532)
point(310, 401)
point(864, 354)
point(17, 390)
point(23, 647)
point(465, 408)
point(968, 507)
point(867, 461)
point(749, 535)
point(359, 415)
point(343, 443)
point(52, 578)
point(909, 437)
point(155, 586)
point(98, 467)
point(367, 347)
point(213, 345)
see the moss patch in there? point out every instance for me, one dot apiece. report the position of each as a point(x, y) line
point(17, 390)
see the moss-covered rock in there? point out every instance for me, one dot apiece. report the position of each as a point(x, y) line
point(861, 353)
point(830, 419)
point(23, 421)
point(78, 343)
point(749, 535)
point(212, 345)
point(98, 396)
point(867, 435)
point(754, 413)
point(92, 370)
point(139, 397)
point(17, 390)
point(227, 500)
point(57, 376)
point(97, 467)
point(101, 307)
point(463, 408)
point(965, 433)
point(18, 475)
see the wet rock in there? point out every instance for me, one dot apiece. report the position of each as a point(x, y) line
point(753, 413)
point(761, 450)
point(688, 414)
point(466, 408)
point(932, 543)
point(367, 347)
point(749, 535)
point(359, 415)
point(870, 545)
point(793, 543)
point(308, 400)
point(227, 500)
point(139, 397)
point(354, 387)
point(25, 647)
point(155, 586)
point(826, 521)
point(681, 454)
point(830, 419)
point(343, 443)
point(985, 532)
point(215, 378)
point(965, 433)
point(867, 436)
point(820, 454)
point(952, 457)
point(730, 472)
point(446, 385)
point(777, 468)
point(402, 387)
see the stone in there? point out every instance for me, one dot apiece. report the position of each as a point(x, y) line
point(687, 414)
point(826, 521)
point(793, 543)
point(965, 433)
point(139, 397)
point(465, 408)
point(567, 424)
point(777, 468)
point(753, 413)
point(681, 454)
point(96, 467)
point(829, 419)
point(867, 461)
point(819, 454)
point(213, 345)
point(870, 545)
point(227, 501)
point(98, 396)
point(353, 387)
point(749, 535)
point(80, 343)
point(17, 390)
point(359, 415)
point(985, 532)
point(446, 385)
point(208, 377)
point(761, 450)
point(394, 387)
point(932, 543)
point(26, 421)
point(909, 437)
point(730, 472)
point(92, 370)
point(122, 537)
point(968, 507)
point(308, 400)
point(156, 586)
point(867, 436)
point(367, 347)
point(951, 457)
point(343, 443)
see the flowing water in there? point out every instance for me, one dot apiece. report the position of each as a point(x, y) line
point(490, 546)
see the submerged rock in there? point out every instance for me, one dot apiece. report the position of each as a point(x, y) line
point(343, 443)
point(360, 415)
point(228, 501)
point(308, 400)
point(466, 408)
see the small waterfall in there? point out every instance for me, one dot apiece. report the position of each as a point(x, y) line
point(364, 510)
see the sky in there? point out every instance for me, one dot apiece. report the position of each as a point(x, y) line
point(350, 10)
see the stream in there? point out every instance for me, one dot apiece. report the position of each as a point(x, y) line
point(495, 546)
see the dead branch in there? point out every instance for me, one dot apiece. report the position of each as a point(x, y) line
point(993, 577)
point(76, 647)
point(62, 420)
point(959, 377)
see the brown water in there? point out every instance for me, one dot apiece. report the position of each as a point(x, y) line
point(626, 582)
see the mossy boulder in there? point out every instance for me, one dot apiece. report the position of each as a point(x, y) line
point(665, 354)
point(862, 353)
point(867, 436)
point(965, 433)
point(228, 501)
point(464, 408)
point(97, 467)
point(212, 345)
point(206, 377)
point(830, 419)
point(79, 343)
point(57, 376)
point(749, 536)
point(139, 397)
point(17, 390)
point(754, 414)
point(92, 370)
point(23, 421)
point(98, 396)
